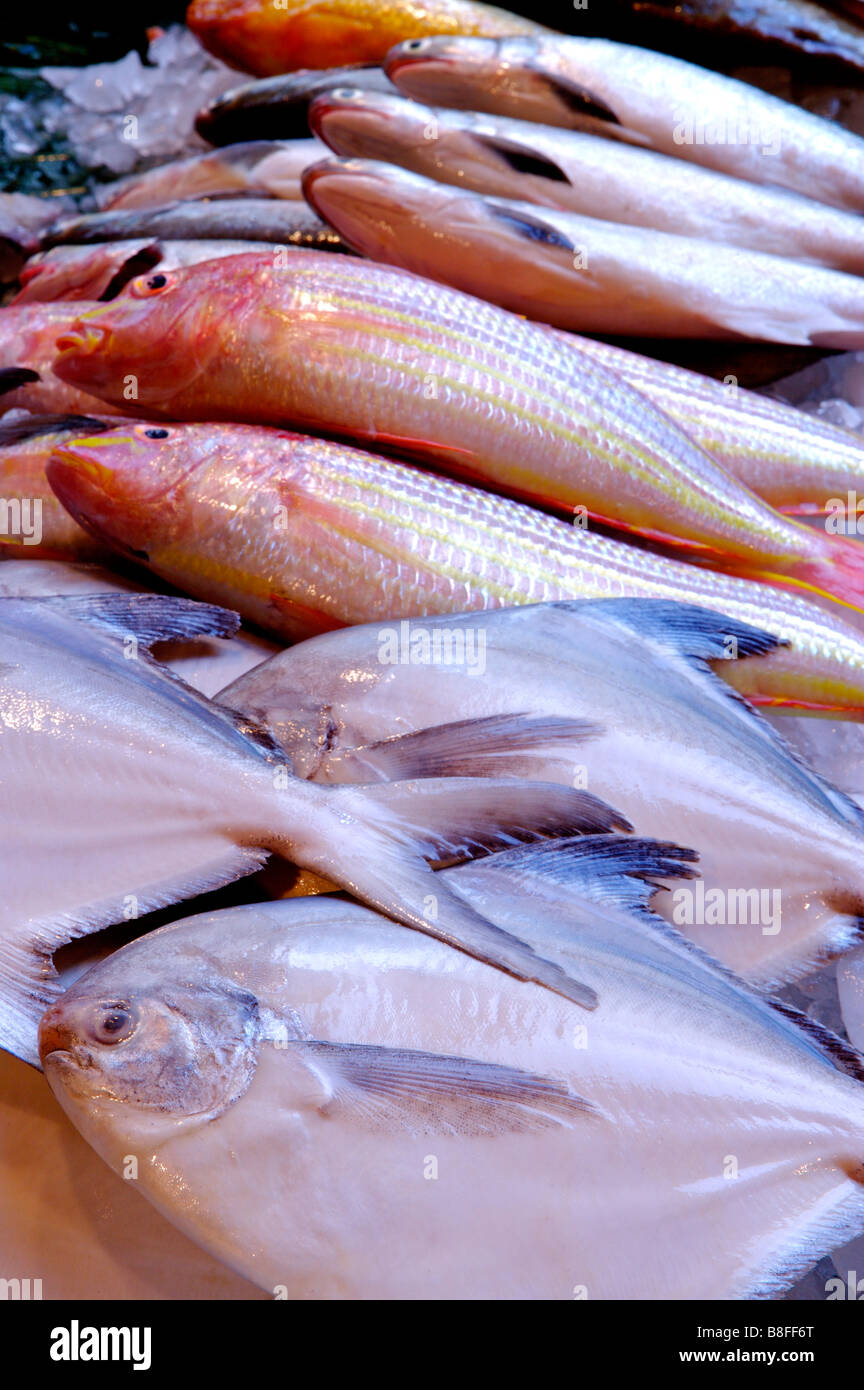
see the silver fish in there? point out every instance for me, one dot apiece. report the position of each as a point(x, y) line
point(290, 1076)
point(288, 222)
point(682, 757)
point(266, 168)
point(276, 108)
point(633, 94)
point(144, 793)
point(577, 172)
point(579, 273)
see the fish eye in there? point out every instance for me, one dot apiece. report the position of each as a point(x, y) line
point(156, 434)
point(415, 45)
point(147, 285)
point(113, 1023)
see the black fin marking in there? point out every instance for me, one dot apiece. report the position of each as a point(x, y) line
point(433, 1092)
point(466, 747)
point(13, 377)
point(844, 1056)
point(531, 228)
point(33, 426)
point(138, 264)
point(580, 100)
point(522, 160)
point(149, 617)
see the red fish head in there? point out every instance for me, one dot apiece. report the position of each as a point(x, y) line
point(158, 336)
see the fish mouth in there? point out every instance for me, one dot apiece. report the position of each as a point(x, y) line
point(82, 340)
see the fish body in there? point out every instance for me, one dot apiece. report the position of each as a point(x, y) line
point(277, 108)
point(663, 102)
point(577, 172)
point(270, 168)
point(33, 523)
point(366, 703)
point(265, 39)
point(367, 351)
point(188, 797)
point(581, 273)
point(354, 1063)
point(28, 333)
point(207, 663)
point(289, 222)
point(302, 535)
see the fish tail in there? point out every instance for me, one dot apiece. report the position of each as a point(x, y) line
point(836, 571)
point(381, 843)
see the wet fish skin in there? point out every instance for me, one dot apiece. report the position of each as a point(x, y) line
point(582, 173)
point(25, 447)
point(381, 356)
point(76, 698)
point(268, 167)
point(578, 272)
point(28, 333)
point(289, 222)
point(277, 107)
point(301, 535)
point(264, 40)
point(343, 714)
point(664, 102)
point(348, 1051)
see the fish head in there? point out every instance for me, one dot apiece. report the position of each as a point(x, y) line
point(359, 195)
point(124, 485)
point(149, 1041)
point(371, 125)
point(156, 338)
point(444, 69)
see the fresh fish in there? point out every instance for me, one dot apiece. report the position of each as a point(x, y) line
point(780, 849)
point(268, 168)
point(276, 108)
point(301, 535)
point(352, 348)
point(206, 662)
point(334, 1058)
point(266, 39)
point(33, 524)
point(28, 333)
point(661, 102)
point(578, 272)
point(84, 272)
point(289, 222)
point(797, 461)
point(146, 793)
point(576, 172)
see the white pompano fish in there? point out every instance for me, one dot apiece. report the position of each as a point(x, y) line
point(580, 273)
point(631, 93)
point(582, 173)
point(292, 1076)
point(143, 792)
point(681, 756)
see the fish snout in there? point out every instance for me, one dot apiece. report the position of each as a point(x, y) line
point(82, 339)
point(57, 1033)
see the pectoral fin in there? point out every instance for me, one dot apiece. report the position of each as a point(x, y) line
point(149, 617)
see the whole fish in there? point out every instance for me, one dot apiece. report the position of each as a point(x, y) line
point(266, 39)
point(276, 108)
point(28, 334)
point(780, 849)
point(797, 461)
point(33, 523)
point(103, 269)
point(581, 273)
point(335, 1058)
point(186, 796)
point(659, 101)
point(301, 535)
point(289, 222)
point(268, 168)
point(577, 172)
point(206, 662)
point(352, 348)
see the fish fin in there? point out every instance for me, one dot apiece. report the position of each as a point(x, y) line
point(28, 980)
point(149, 617)
point(464, 748)
point(615, 869)
point(581, 100)
point(33, 426)
point(384, 835)
point(845, 1057)
point(522, 158)
point(429, 1092)
point(13, 377)
point(531, 228)
point(836, 571)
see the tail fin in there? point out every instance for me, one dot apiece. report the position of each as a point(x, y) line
point(836, 571)
point(382, 839)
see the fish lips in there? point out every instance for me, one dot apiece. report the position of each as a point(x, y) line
point(83, 486)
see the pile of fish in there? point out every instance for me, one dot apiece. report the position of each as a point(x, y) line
point(382, 603)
